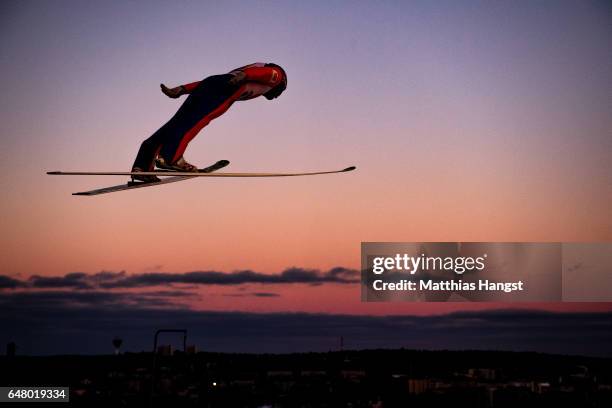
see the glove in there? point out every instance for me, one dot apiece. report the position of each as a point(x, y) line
point(173, 92)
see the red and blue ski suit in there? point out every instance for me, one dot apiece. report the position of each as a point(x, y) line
point(207, 100)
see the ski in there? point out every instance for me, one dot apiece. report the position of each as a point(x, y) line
point(175, 176)
point(188, 174)
point(139, 184)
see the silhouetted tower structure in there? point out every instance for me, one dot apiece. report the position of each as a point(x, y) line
point(155, 353)
point(117, 342)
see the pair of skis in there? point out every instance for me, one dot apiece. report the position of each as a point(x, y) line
point(174, 176)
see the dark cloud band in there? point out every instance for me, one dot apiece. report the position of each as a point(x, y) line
point(112, 280)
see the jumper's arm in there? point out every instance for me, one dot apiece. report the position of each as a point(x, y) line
point(179, 90)
point(190, 86)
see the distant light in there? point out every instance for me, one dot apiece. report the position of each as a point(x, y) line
point(214, 384)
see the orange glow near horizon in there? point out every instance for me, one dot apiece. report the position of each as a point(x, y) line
point(476, 127)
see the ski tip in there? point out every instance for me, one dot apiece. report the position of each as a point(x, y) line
point(80, 194)
point(54, 172)
point(223, 162)
point(350, 168)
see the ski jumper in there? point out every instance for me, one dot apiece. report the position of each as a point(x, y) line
point(207, 100)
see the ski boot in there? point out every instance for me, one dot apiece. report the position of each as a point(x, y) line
point(179, 165)
point(144, 178)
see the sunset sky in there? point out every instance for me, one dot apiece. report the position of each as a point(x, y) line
point(467, 121)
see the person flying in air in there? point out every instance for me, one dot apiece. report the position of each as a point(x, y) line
point(207, 100)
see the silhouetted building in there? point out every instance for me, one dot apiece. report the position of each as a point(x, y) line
point(418, 386)
point(487, 374)
point(376, 378)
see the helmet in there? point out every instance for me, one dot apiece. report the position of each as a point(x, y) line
point(280, 88)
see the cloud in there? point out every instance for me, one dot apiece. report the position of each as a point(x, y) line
point(55, 322)
point(6, 282)
point(114, 280)
point(255, 294)
point(70, 299)
point(75, 280)
point(288, 276)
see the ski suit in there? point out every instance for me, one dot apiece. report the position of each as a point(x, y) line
point(207, 100)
